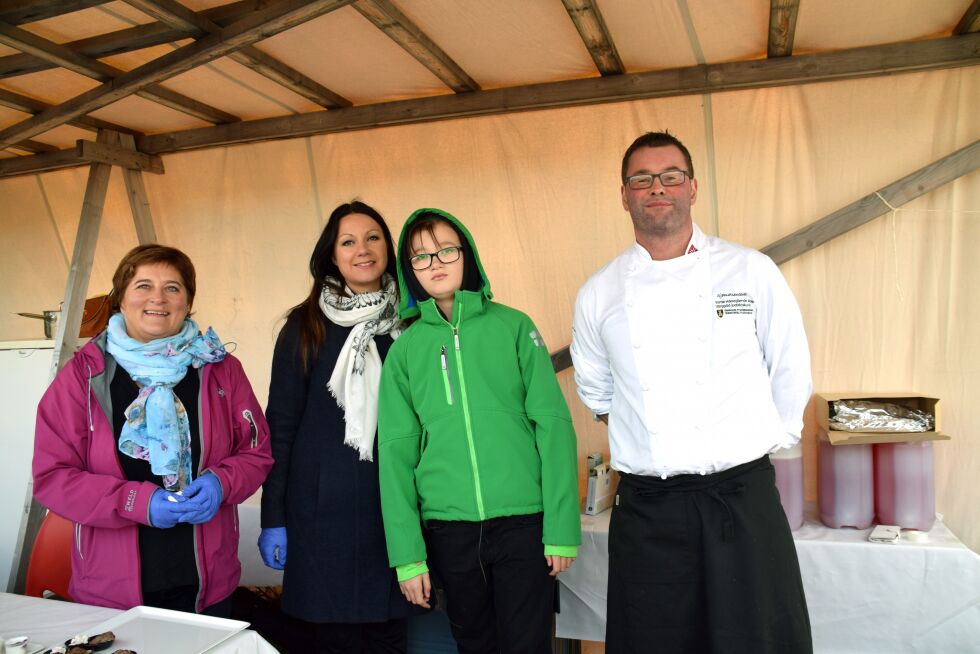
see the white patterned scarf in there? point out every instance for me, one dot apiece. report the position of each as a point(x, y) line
point(357, 374)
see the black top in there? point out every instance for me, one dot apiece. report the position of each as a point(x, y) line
point(166, 555)
point(328, 500)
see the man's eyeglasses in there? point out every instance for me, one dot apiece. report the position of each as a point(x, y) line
point(423, 260)
point(667, 178)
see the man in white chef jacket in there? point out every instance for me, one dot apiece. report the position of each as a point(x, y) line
point(692, 350)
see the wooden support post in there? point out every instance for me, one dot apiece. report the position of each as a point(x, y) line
point(138, 202)
point(71, 320)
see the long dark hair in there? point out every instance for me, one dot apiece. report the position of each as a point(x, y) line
point(312, 322)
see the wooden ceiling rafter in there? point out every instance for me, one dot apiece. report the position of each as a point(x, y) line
point(126, 40)
point(33, 147)
point(592, 28)
point(888, 59)
point(400, 28)
point(18, 12)
point(782, 27)
point(970, 21)
point(179, 17)
point(67, 58)
point(255, 26)
point(33, 106)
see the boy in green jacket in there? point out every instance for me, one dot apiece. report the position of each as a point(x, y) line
point(476, 450)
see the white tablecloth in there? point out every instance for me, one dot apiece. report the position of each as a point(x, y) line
point(49, 622)
point(863, 597)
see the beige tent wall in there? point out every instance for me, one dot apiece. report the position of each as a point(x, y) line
point(887, 307)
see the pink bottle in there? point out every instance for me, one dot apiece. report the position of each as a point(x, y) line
point(845, 491)
point(905, 492)
point(789, 480)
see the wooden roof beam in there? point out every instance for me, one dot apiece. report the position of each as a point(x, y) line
point(83, 154)
point(399, 27)
point(125, 40)
point(970, 22)
point(254, 27)
point(592, 28)
point(782, 27)
point(33, 147)
point(18, 12)
point(888, 59)
point(33, 106)
point(67, 58)
point(179, 17)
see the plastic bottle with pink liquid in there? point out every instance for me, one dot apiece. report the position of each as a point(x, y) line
point(905, 492)
point(789, 481)
point(845, 492)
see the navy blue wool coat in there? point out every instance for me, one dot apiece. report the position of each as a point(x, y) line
point(328, 500)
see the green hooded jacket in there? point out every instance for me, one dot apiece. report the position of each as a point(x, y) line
point(472, 423)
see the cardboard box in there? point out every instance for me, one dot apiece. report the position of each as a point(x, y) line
point(907, 399)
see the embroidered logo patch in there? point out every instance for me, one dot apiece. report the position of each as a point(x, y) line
point(734, 304)
point(131, 501)
point(536, 337)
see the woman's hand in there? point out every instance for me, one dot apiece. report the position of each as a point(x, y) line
point(272, 547)
point(417, 590)
point(202, 499)
point(558, 563)
point(164, 511)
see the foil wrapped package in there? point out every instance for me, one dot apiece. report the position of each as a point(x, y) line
point(869, 415)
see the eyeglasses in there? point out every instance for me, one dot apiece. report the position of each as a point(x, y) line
point(667, 178)
point(423, 260)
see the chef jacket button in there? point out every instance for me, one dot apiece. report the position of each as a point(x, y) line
point(663, 476)
point(636, 346)
point(629, 304)
point(699, 382)
point(701, 339)
point(645, 387)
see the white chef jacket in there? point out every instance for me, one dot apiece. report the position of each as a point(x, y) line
point(700, 361)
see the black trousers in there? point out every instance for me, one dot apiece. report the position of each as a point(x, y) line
point(389, 637)
point(499, 595)
point(704, 564)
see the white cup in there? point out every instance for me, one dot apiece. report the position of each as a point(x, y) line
point(15, 645)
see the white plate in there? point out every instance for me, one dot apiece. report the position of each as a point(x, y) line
point(148, 630)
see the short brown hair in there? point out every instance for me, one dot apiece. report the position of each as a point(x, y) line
point(656, 140)
point(152, 253)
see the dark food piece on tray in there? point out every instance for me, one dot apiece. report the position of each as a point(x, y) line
point(125, 651)
point(92, 644)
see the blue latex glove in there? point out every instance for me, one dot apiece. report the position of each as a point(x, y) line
point(202, 498)
point(164, 509)
point(272, 547)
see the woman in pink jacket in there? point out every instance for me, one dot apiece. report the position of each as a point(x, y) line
point(147, 440)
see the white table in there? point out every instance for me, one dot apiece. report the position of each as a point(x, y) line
point(863, 597)
point(49, 622)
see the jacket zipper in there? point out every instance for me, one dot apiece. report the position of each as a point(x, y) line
point(247, 414)
point(466, 418)
point(78, 540)
point(445, 375)
point(205, 374)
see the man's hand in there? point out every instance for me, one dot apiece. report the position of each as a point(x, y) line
point(417, 590)
point(558, 563)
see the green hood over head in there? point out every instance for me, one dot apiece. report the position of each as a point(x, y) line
point(408, 305)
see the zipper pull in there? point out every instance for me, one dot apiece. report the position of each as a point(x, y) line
point(442, 358)
point(456, 337)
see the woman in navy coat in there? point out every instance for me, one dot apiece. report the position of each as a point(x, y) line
point(321, 510)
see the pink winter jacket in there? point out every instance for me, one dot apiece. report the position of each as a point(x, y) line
point(78, 476)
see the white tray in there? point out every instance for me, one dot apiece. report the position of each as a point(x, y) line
point(148, 630)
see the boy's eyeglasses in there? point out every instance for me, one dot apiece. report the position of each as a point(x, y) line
point(667, 178)
point(423, 260)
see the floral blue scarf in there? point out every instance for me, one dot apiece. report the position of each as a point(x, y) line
point(156, 428)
